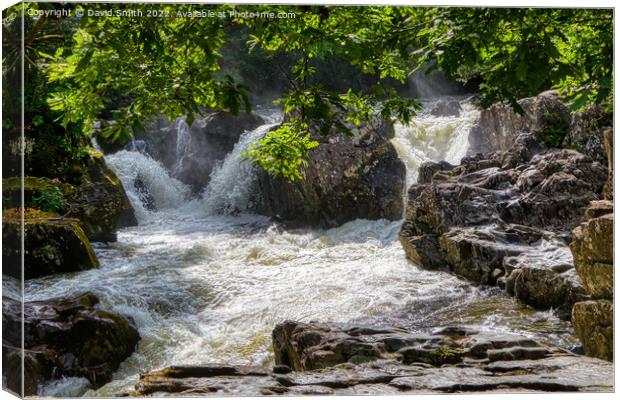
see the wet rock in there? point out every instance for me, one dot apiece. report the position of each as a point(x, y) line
point(593, 322)
point(429, 168)
point(592, 249)
point(421, 248)
point(517, 353)
point(433, 355)
point(453, 359)
point(517, 203)
point(305, 347)
point(347, 177)
point(100, 202)
point(144, 195)
point(543, 288)
point(446, 108)
point(62, 338)
point(52, 244)
point(475, 254)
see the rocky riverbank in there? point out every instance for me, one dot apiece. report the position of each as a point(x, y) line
point(74, 200)
point(504, 218)
point(67, 337)
point(320, 359)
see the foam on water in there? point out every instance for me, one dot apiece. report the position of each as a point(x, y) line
point(130, 166)
point(232, 184)
point(434, 138)
point(205, 286)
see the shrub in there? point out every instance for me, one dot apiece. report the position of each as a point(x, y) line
point(50, 199)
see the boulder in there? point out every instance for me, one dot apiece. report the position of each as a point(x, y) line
point(52, 244)
point(586, 132)
point(500, 124)
point(446, 108)
point(99, 201)
point(475, 254)
point(594, 326)
point(67, 337)
point(518, 203)
point(543, 287)
point(592, 248)
point(191, 152)
point(346, 177)
point(319, 358)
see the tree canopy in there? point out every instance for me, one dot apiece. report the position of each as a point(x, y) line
point(171, 63)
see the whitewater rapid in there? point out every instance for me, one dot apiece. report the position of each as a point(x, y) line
point(205, 286)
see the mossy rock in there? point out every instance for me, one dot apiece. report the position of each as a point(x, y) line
point(52, 244)
point(99, 202)
point(33, 188)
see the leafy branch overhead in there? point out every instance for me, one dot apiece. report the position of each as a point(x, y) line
point(116, 72)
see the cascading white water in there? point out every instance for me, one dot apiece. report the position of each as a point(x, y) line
point(132, 166)
point(204, 286)
point(434, 138)
point(232, 183)
point(183, 144)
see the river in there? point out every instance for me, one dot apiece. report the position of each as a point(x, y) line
point(205, 286)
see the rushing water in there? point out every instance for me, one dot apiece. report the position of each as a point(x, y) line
point(205, 286)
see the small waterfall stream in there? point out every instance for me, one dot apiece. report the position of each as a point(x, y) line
point(205, 286)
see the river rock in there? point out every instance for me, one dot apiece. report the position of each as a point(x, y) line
point(446, 108)
point(594, 326)
point(67, 337)
point(346, 178)
point(348, 359)
point(543, 287)
point(519, 203)
point(52, 244)
point(192, 155)
point(500, 124)
point(592, 249)
point(100, 202)
point(586, 132)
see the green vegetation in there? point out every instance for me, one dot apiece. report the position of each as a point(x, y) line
point(51, 199)
point(120, 71)
point(555, 129)
point(283, 151)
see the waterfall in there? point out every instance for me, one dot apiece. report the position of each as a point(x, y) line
point(183, 144)
point(140, 174)
point(232, 186)
point(432, 137)
point(232, 183)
